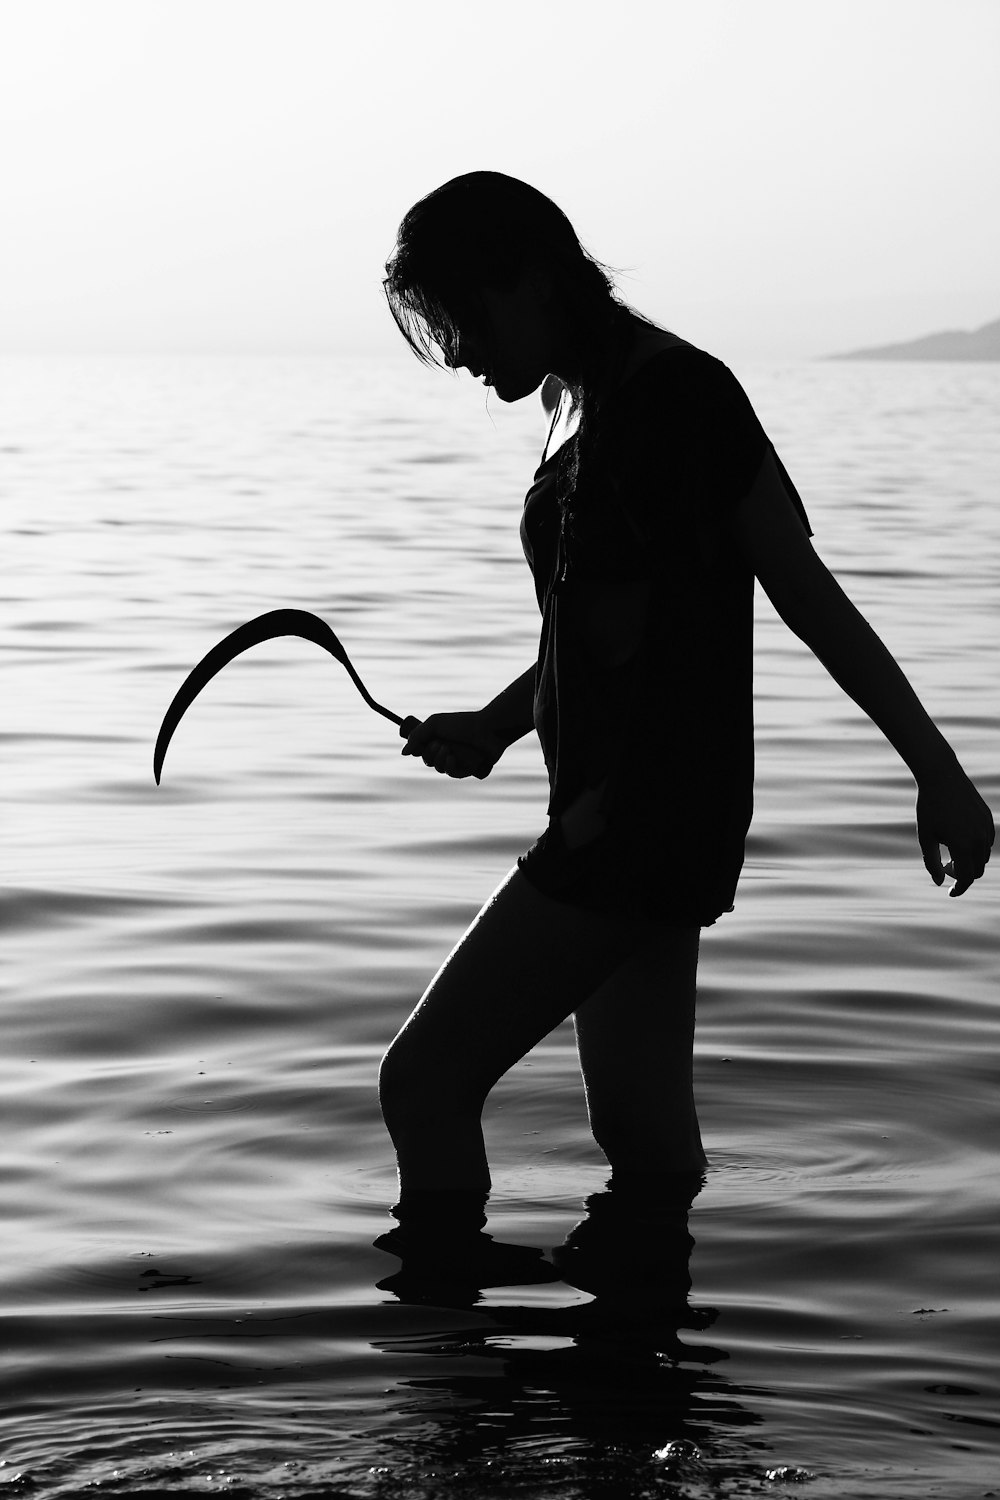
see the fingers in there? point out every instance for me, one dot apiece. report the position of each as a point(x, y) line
point(435, 753)
point(932, 861)
point(458, 760)
point(447, 757)
point(418, 737)
point(964, 867)
point(431, 748)
point(951, 812)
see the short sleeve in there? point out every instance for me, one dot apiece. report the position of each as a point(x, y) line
point(689, 443)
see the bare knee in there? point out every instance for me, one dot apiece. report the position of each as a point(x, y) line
point(396, 1084)
point(413, 1086)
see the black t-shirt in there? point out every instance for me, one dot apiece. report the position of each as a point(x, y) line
point(644, 683)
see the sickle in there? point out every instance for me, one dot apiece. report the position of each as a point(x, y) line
point(264, 627)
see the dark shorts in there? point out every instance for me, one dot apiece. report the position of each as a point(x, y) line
point(605, 876)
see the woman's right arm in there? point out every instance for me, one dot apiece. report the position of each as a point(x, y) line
point(470, 744)
point(809, 599)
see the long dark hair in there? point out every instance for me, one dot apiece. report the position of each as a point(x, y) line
point(485, 229)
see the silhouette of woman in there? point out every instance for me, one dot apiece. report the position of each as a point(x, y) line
point(658, 501)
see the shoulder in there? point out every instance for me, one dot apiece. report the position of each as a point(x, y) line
point(688, 396)
point(684, 423)
point(680, 369)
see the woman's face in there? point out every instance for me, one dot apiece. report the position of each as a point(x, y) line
point(518, 349)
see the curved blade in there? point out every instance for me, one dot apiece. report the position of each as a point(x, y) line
point(266, 627)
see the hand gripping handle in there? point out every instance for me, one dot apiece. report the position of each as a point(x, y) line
point(410, 725)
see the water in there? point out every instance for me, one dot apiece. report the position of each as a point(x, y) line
point(199, 979)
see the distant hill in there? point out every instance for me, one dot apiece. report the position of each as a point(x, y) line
point(982, 343)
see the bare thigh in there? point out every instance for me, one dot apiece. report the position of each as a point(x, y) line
point(635, 1038)
point(639, 1024)
point(526, 963)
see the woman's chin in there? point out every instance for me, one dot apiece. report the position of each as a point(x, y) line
point(509, 392)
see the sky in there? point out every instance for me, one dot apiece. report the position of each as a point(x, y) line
point(773, 179)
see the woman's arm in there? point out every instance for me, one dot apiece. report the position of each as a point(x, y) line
point(470, 744)
point(512, 713)
point(812, 604)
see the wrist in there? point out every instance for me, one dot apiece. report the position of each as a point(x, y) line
point(936, 762)
point(499, 725)
point(510, 715)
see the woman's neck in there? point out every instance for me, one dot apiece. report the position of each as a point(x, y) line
point(595, 366)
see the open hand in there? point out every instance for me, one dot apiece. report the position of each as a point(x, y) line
point(951, 812)
point(456, 745)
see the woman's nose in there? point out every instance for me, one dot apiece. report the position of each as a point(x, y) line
point(465, 358)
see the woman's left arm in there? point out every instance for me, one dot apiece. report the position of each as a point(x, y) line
point(812, 604)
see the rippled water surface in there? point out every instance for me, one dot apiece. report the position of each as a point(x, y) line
point(198, 980)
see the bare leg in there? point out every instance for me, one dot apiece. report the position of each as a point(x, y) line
point(635, 1038)
point(525, 964)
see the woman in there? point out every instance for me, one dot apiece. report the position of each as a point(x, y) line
point(658, 501)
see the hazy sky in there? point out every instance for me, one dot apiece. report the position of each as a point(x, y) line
point(777, 177)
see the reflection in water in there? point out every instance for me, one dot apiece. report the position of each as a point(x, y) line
point(603, 1392)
